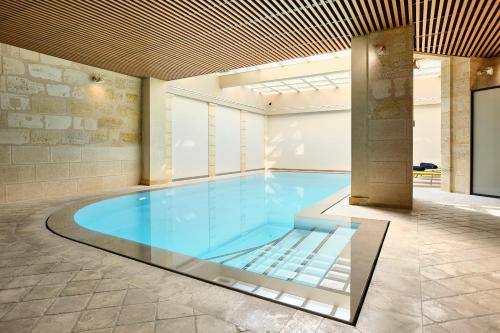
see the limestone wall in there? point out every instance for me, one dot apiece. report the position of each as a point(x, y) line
point(459, 77)
point(61, 134)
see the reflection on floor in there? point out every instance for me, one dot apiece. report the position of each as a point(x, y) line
point(439, 271)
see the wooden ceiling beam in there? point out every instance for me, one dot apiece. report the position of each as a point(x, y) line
point(179, 38)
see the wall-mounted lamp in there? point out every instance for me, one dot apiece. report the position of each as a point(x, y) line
point(416, 65)
point(380, 49)
point(485, 71)
point(96, 78)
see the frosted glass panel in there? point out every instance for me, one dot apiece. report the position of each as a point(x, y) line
point(227, 140)
point(189, 138)
point(486, 142)
point(316, 140)
point(255, 124)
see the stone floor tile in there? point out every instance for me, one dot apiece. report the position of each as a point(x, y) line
point(87, 275)
point(332, 326)
point(4, 281)
point(5, 307)
point(405, 285)
point(38, 269)
point(261, 315)
point(111, 284)
point(47, 259)
point(184, 325)
point(397, 266)
point(64, 267)
point(60, 323)
point(169, 310)
point(11, 271)
point(302, 322)
point(13, 295)
point(137, 313)
point(25, 281)
point(17, 326)
point(66, 304)
point(106, 299)
point(28, 309)
point(217, 301)
point(41, 292)
point(210, 324)
point(383, 321)
point(57, 278)
point(137, 296)
point(386, 300)
point(96, 319)
point(483, 324)
point(79, 287)
point(136, 328)
point(101, 330)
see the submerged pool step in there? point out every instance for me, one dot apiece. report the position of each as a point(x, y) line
point(286, 298)
point(304, 256)
point(339, 277)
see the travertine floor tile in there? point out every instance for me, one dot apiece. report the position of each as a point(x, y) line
point(41, 292)
point(106, 299)
point(60, 323)
point(136, 328)
point(137, 313)
point(169, 310)
point(185, 325)
point(28, 309)
point(69, 304)
point(98, 318)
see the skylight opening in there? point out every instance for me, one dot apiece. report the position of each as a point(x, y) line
point(288, 62)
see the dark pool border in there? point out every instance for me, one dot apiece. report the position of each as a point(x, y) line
point(62, 223)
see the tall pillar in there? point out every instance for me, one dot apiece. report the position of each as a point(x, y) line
point(445, 125)
point(156, 133)
point(211, 139)
point(382, 118)
point(460, 85)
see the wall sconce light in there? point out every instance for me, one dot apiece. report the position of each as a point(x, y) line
point(380, 49)
point(96, 78)
point(485, 71)
point(416, 65)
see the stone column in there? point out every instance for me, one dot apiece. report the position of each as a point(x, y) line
point(211, 139)
point(156, 133)
point(445, 125)
point(382, 118)
point(243, 141)
point(460, 98)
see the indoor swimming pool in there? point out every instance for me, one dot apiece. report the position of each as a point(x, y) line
point(247, 233)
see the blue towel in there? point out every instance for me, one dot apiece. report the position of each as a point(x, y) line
point(428, 165)
point(418, 168)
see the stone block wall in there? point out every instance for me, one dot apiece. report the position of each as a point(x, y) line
point(61, 134)
point(459, 77)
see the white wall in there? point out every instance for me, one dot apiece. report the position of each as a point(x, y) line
point(255, 125)
point(189, 138)
point(227, 140)
point(320, 140)
point(427, 134)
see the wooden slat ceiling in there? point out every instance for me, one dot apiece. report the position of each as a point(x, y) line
point(180, 38)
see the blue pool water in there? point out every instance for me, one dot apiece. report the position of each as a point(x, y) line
point(243, 222)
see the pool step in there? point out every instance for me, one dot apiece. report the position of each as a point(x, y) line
point(290, 299)
point(297, 256)
point(339, 277)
